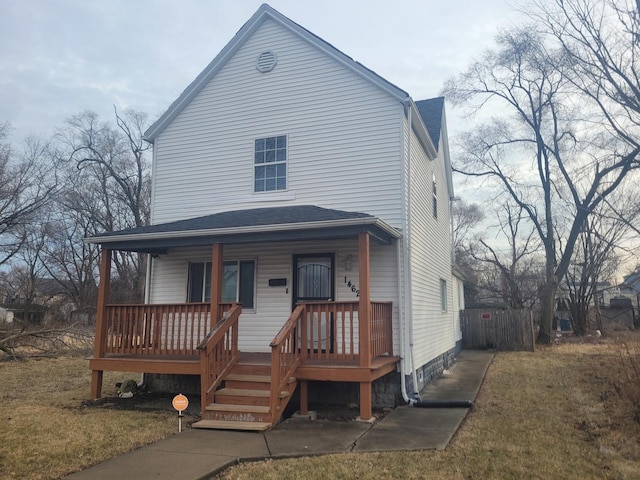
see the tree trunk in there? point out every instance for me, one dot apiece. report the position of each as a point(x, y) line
point(547, 309)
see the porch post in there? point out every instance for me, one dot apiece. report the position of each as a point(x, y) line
point(364, 307)
point(100, 341)
point(364, 323)
point(217, 265)
point(304, 397)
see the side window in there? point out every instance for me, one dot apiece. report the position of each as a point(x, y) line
point(443, 295)
point(238, 282)
point(435, 198)
point(270, 164)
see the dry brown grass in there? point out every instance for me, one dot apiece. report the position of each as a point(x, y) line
point(549, 414)
point(48, 433)
point(552, 414)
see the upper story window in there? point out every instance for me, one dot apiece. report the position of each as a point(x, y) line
point(270, 164)
point(435, 198)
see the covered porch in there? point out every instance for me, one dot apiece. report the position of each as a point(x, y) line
point(328, 340)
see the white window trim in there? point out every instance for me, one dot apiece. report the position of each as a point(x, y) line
point(253, 169)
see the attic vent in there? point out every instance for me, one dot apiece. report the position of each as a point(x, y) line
point(266, 61)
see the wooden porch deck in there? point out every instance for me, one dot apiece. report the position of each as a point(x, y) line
point(174, 365)
point(318, 370)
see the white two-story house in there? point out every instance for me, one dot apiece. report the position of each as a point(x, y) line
point(300, 236)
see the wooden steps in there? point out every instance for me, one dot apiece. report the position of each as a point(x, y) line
point(229, 425)
point(244, 401)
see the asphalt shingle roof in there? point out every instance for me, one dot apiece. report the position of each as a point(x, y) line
point(431, 113)
point(247, 218)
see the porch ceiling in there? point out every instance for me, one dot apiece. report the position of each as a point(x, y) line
point(276, 224)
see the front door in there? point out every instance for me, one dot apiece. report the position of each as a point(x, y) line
point(314, 281)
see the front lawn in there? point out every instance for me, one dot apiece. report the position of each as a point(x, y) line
point(555, 413)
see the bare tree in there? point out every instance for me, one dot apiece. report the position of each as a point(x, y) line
point(540, 153)
point(596, 258)
point(600, 40)
point(518, 274)
point(466, 217)
point(116, 189)
point(27, 182)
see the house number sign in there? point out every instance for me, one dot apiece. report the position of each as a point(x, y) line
point(352, 286)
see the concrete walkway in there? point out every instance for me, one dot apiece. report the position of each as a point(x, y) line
point(199, 454)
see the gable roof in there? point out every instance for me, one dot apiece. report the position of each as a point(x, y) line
point(242, 226)
point(431, 113)
point(264, 13)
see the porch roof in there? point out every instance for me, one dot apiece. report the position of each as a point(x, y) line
point(301, 222)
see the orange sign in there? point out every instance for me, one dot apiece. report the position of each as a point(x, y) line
point(180, 402)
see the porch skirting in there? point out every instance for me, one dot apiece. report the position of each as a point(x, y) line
point(385, 390)
point(164, 383)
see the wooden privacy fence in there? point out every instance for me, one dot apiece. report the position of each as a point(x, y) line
point(499, 329)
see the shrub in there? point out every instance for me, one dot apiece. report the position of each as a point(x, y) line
point(628, 384)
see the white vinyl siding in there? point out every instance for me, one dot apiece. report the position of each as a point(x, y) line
point(433, 327)
point(274, 304)
point(344, 136)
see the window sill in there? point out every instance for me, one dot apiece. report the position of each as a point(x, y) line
point(271, 196)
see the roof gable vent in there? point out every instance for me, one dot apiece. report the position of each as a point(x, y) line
point(266, 61)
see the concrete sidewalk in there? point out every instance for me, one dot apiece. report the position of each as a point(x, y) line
point(199, 454)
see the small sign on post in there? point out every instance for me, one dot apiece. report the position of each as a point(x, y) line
point(180, 403)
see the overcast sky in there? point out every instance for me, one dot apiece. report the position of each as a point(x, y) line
point(58, 58)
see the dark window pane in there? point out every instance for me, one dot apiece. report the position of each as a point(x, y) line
point(270, 156)
point(196, 277)
point(270, 143)
point(247, 273)
point(207, 282)
point(270, 184)
point(258, 157)
point(282, 141)
point(281, 155)
point(259, 186)
point(260, 171)
point(229, 281)
point(281, 183)
point(260, 144)
point(271, 171)
point(281, 170)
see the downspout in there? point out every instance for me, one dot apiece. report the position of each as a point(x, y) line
point(407, 330)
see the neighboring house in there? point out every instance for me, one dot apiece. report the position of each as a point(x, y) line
point(295, 182)
point(34, 301)
point(630, 288)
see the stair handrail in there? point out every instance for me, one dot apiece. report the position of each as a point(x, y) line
point(285, 359)
point(218, 353)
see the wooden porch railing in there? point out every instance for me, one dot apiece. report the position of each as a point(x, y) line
point(285, 358)
point(218, 352)
point(157, 329)
point(331, 331)
point(381, 329)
